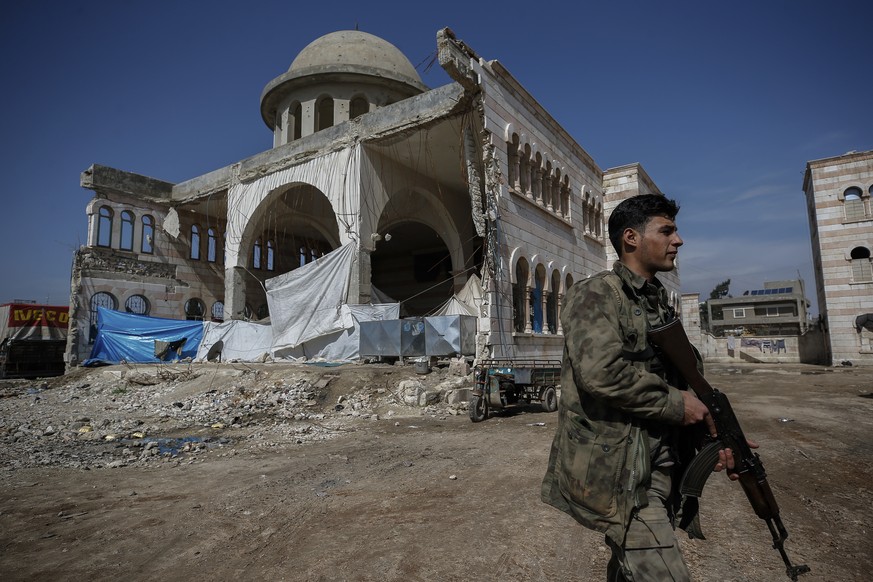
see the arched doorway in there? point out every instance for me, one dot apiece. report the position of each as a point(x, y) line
point(413, 265)
point(293, 226)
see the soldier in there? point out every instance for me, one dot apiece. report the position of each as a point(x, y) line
point(620, 436)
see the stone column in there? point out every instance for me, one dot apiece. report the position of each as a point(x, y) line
point(527, 313)
point(524, 176)
point(545, 301)
point(360, 288)
point(307, 121)
point(234, 292)
point(558, 301)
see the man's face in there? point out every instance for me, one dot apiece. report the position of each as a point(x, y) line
point(658, 245)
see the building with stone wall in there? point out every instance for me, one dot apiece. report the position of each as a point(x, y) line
point(429, 186)
point(779, 309)
point(838, 192)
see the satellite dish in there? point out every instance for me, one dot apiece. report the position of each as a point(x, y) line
point(214, 352)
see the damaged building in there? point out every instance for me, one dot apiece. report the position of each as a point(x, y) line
point(403, 193)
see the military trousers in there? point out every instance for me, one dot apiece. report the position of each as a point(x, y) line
point(650, 552)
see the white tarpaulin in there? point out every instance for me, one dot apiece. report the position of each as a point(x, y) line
point(240, 340)
point(467, 301)
point(336, 174)
point(307, 302)
point(344, 345)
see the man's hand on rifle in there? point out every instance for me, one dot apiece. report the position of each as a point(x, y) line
point(726, 461)
point(696, 411)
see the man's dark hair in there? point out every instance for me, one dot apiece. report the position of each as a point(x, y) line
point(635, 213)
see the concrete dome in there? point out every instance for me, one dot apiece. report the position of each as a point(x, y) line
point(349, 57)
point(353, 51)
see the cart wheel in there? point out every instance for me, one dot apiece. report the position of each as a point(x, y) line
point(550, 399)
point(478, 408)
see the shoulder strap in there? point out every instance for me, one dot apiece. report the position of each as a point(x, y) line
point(615, 283)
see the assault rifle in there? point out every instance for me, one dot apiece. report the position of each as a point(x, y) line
point(673, 343)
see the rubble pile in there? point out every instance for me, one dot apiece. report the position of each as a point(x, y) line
point(143, 415)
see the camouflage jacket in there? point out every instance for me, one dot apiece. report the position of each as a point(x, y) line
point(613, 406)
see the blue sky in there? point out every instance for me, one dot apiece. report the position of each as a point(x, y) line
point(722, 103)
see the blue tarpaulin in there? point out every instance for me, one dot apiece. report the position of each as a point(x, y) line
point(137, 338)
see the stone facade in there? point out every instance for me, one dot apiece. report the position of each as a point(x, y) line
point(431, 186)
point(838, 192)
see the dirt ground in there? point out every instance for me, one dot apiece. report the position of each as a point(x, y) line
point(362, 487)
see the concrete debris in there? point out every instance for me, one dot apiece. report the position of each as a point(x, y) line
point(137, 417)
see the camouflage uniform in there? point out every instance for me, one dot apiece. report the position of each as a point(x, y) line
point(611, 460)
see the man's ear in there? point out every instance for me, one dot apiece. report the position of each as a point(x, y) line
point(630, 238)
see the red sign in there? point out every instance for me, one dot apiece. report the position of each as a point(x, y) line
point(25, 315)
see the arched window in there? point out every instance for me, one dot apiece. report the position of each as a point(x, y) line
point(536, 300)
point(256, 254)
point(194, 309)
point(296, 120)
point(195, 242)
point(99, 299)
point(247, 312)
point(211, 245)
point(126, 241)
point(358, 107)
point(861, 267)
point(324, 113)
point(263, 311)
point(302, 256)
point(854, 204)
point(148, 235)
point(519, 299)
point(271, 256)
point(218, 311)
point(104, 227)
point(512, 162)
point(137, 304)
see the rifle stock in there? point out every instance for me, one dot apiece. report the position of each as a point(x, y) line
point(673, 343)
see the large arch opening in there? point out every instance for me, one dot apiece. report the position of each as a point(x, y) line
point(293, 226)
point(412, 264)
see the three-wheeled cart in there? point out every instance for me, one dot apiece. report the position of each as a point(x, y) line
point(508, 382)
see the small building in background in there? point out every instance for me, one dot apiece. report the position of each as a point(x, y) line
point(779, 309)
point(838, 192)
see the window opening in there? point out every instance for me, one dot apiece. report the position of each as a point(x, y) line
point(104, 227)
point(271, 256)
point(195, 242)
point(358, 107)
point(324, 113)
point(861, 267)
point(296, 116)
point(211, 245)
point(218, 311)
point(256, 254)
point(99, 299)
point(854, 204)
point(126, 242)
point(148, 235)
point(194, 309)
point(137, 304)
